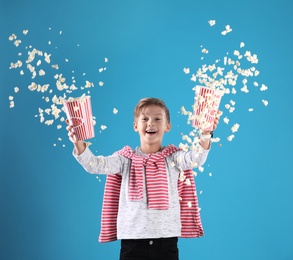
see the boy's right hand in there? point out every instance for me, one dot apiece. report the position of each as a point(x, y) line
point(79, 145)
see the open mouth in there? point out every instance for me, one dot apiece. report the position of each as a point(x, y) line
point(151, 132)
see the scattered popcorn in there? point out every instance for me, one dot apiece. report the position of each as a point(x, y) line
point(263, 87)
point(16, 89)
point(12, 37)
point(205, 50)
point(229, 138)
point(103, 127)
point(226, 120)
point(235, 128)
point(17, 42)
point(250, 109)
point(244, 89)
point(115, 111)
point(227, 30)
point(212, 22)
point(47, 57)
point(201, 169)
point(25, 32)
point(189, 204)
point(106, 59)
point(186, 70)
point(101, 83)
point(265, 102)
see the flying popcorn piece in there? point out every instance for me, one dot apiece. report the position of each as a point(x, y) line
point(41, 72)
point(250, 110)
point(210, 174)
point(230, 138)
point(25, 32)
point(189, 204)
point(265, 102)
point(232, 102)
point(15, 65)
point(101, 83)
point(17, 43)
point(226, 120)
point(242, 44)
point(201, 169)
point(231, 109)
point(193, 78)
point(103, 127)
point(47, 57)
point(16, 89)
point(228, 29)
point(88, 84)
point(186, 70)
point(244, 89)
point(12, 37)
point(263, 87)
point(212, 22)
point(204, 50)
point(115, 111)
point(235, 128)
point(33, 86)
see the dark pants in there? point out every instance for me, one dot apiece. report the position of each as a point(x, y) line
point(149, 249)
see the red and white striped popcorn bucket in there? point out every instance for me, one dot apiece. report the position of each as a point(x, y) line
point(206, 105)
point(79, 114)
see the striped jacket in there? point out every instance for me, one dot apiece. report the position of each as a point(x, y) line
point(189, 210)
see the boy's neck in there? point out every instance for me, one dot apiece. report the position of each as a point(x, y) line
point(147, 149)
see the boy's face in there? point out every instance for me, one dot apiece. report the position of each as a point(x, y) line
point(151, 125)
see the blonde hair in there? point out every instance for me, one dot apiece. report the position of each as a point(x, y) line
point(148, 102)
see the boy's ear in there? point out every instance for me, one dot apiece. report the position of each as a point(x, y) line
point(168, 128)
point(135, 126)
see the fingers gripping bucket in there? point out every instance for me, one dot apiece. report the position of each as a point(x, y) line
point(206, 105)
point(79, 114)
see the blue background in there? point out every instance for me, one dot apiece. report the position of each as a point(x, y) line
point(50, 207)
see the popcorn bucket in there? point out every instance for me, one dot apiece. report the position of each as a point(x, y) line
point(79, 114)
point(206, 106)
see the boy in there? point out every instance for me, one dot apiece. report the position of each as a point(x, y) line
point(150, 198)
